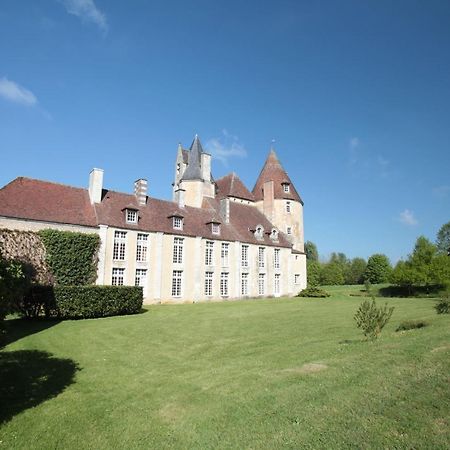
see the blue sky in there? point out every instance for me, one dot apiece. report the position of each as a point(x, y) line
point(356, 95)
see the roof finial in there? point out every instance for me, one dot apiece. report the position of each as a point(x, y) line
point(272, 142)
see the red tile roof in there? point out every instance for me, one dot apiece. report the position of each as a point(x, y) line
point(26, 198)
point(231, 186)
point(273, 171)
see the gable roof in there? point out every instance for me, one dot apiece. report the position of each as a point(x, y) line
point(26, 198)
point(273, 171)
point(231, 186)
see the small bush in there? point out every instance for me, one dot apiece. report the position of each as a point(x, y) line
point(411, 325)
point(81, 302)
point(371, 318)
point(313, 292)
point(443, 306)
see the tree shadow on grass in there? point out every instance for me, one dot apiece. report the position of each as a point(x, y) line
point(30, 377)
point(16, 329)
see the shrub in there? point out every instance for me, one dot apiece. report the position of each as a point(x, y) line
point(82, 302)
point(371, 318)
point(411, 325)
point(443, 306)
point(313, 292)
point(72, 257)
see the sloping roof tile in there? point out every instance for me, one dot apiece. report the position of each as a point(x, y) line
point(231, 186)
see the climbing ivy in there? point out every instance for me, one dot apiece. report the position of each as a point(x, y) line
point(72, 257)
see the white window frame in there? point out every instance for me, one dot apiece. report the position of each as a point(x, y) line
point(215, 228)
point(142, 247)
point(119, 246)
point(286, 188)
point(177, 283)
point(118, 276)
point(261, 284)
point(177, 223)
point(131, 216)
point(276, 258)
point(209, 276)
point(261, 257)
point(224, 278)
point(244, 255)
point(277, 284)
point(177, 257)
point(209, 253)
point(244, 284)
point(140, 278)
point(297, 278)
point(225, 254)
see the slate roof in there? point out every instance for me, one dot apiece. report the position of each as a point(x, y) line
point(273, 171)
point(193, 170)
point(26, 198)
point(231, 186)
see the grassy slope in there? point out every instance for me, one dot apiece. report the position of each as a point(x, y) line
point(231, 375)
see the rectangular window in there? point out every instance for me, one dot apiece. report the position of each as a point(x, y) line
point(215, 228)
point(209, 253)
point(118, 276)
point(131, 216)
point(141, 277)
point(224, 284)
point(261, 257)
point(119, 245)
point(177, 277)
point(244, 256)
point(276, 284)
point(288, 230)
point(286, 187)
point(177, 223)
point(276, 258)
point(288, 207)
point(297, 278)
point(141, 248)
point(178, 250)
point(244, 284)
point(261, 284)
point(209, 283)
point(224, 252)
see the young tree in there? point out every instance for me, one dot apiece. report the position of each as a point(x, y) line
point(314, 272)
point(443, 239)
point(311, 251)
point(378, 269)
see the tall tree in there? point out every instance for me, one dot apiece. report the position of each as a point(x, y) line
point(355, 272)
point(311, 251)
point(443, 239)
point(378, 269)
point(314, 272)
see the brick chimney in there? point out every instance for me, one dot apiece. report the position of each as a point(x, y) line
point(140, 191)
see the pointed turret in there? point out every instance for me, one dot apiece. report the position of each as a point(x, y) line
point(282, 184)
point(194, 170)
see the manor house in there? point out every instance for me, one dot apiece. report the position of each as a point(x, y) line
point(215, 240)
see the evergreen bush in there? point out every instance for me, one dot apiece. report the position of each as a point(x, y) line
point(371, 318)
point(313, 291)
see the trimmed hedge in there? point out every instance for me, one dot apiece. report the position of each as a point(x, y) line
point(313, 292)
point(81, 302)
point(411, 325)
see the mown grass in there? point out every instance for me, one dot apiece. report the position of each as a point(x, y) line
point(276, 373)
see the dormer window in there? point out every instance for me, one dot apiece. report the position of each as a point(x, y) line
point(131, 215)
point(274, 234)
point(177, 223)
point(259, 232)
point(215, 228)
point(286, 188)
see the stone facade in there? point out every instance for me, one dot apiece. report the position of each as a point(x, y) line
point(215, 241)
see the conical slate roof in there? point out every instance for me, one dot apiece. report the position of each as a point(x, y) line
point(273, 171)
point(231, 186)
point(193, 170)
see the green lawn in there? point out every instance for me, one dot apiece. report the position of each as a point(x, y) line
point(276, 373)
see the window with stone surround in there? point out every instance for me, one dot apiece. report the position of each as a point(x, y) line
point(141, 278)
point(118, 275)
point(209, 246)
point(177, 223)
point(276, 284)
point(177, 280)
point(224, 284)
point(261, 257)
point(276, 258)
point(142, 247)
point(209, 283)
point(244, 256)
point(119, 246)
point(131, 216)
point(261, 284)
point(224, 253)
point(178, 250)
point(244, 284)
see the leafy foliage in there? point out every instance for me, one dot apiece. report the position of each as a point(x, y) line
point(443, 239)
point(313, 269)
point(332, 273)
point(378, 269)
point(371, 318)
point(443, 306)
point(355, 271)
point(81, 302)
point(313, 292)
point(72, 257)
point(311, 251)
point(411, 325)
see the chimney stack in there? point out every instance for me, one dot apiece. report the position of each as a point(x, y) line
point(179, 197)
point(96, 185)
point(206, 166)
point(225, 209)
point(140, 191)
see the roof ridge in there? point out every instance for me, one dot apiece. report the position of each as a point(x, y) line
point(46, 181)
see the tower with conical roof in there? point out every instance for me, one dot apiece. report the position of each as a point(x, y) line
point(277, 198)
point(193, 175)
